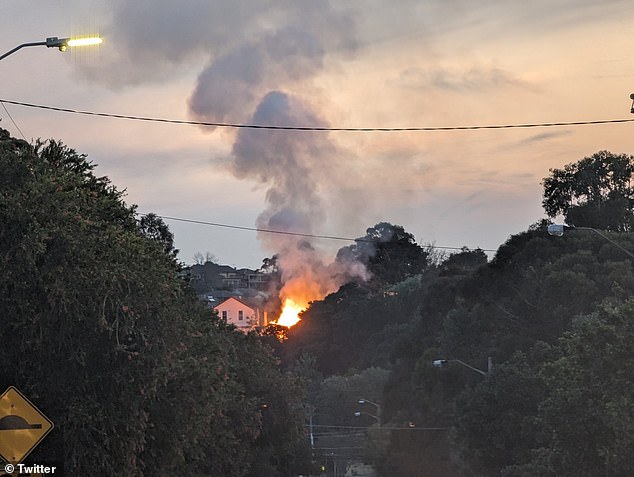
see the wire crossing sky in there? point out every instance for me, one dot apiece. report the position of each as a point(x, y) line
point(296, 234)
point(319, 128)
point(326, 116)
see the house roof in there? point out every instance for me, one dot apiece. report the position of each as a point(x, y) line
point(233, 298)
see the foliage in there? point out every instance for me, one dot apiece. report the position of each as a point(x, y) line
point(593, 192)
point(336, 416)
point(589, 414)
point(496, 422)
point(100, 331)
point(515, 309)
point(144, 380)
point(153, 227)
point(389, 252)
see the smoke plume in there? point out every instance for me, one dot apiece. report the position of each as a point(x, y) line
point(259, 56)
point(259, 76)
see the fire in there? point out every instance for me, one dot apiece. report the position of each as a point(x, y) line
point(290, 313)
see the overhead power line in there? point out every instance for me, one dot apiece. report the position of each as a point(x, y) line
point(259, 229)
point(317, 128)
point(388, 428)
point(297, 234)
point(13, 121)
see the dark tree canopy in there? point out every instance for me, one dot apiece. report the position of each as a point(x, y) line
point(390, 253)
point(154, 228)
point(593, 192)
point(99, 330)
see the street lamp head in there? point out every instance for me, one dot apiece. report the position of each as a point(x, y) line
point(86, 41)
point(556, 229)
point(53, 42)
point(63, 43)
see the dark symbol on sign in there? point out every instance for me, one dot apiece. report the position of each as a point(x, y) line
point(16, 422)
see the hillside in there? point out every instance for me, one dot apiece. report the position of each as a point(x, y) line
point(554, 315)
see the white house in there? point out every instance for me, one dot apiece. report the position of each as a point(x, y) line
point(238, 313)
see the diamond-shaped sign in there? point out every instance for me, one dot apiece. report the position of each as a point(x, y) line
point(22, 426)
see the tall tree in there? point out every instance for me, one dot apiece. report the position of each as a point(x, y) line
point(154, 228)
point(588, 417)
point(390, 253)
point(102, 334)
point(593, 192)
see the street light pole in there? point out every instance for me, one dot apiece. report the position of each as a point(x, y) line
point(439, 363)
point(558, 230)
point(363, 413)
point(53, 42)
point(378, 409)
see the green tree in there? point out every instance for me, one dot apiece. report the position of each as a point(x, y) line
point(589, 414)
point(88, 298)
point(100, 331)
point(593, 192)
point(496, 418)
point(153, 227)
point(463, 263)
point(390, 253)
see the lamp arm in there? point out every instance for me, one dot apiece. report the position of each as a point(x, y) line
point(483, 373)
point(36, 43)
point(606, 238)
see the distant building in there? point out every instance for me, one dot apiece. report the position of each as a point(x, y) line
point(212, 278)
point(237, 312)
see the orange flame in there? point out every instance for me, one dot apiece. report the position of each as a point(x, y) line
point(290, 313)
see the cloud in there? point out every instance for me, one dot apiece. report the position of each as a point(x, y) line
point(546, 136)
point(473, 80)
point(537, 139)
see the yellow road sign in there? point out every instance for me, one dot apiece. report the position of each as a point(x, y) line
point(22, 426)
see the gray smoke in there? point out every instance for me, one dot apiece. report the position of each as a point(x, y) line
point(259, 76)
point(286, 161)
point(259, 55)
point(291, 164)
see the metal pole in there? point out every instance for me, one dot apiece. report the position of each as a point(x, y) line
point(378, 409)
point(37, 43)
point(606, 238)
point(483, 373)
point(312, 438)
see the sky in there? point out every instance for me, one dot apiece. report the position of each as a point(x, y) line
point(353, 64)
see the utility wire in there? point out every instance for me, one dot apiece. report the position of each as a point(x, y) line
point(13, 121)
point(235, 227)
point(388, 428)
point(283, 232)
point(318, 128)
point(258, 229)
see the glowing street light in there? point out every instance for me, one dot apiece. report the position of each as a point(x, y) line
point(60, 43)
point(86, 41)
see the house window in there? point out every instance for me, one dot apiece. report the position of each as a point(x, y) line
point(224, 315)
point(240, 315)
